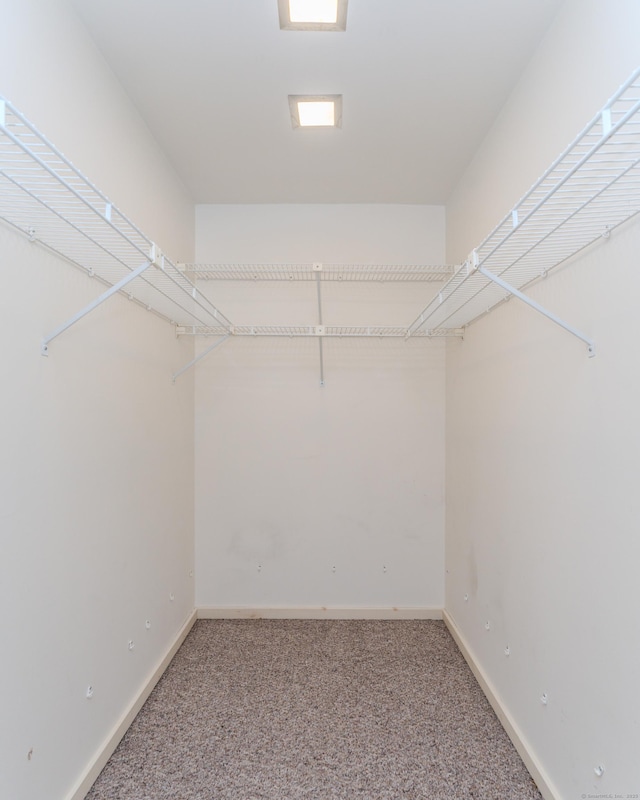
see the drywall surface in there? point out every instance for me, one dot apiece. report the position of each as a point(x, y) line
point(310, 496)
point(96, 454)
point(334, 234)
point(543, 445)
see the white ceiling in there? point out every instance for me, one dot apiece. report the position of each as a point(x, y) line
point(422, 80)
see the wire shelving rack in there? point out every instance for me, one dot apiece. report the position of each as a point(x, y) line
point(331, 331)
point(49, 200)
point(383, 273)
point(591, 188)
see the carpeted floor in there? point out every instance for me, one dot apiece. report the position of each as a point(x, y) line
point(316, 710)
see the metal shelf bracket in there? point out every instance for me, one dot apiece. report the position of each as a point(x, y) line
point(195, 360)
point(473, 265)
point(156, 256)
point(93, 305)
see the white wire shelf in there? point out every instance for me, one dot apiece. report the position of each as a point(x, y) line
point(361, 332)
point(593, 187)
point(43, 195)
point(322, 272)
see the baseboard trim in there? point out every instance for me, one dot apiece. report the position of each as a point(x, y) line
point(546, 787)
point(105, 752)
point(317, 612)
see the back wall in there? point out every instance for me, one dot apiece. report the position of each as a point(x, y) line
point(310, 496)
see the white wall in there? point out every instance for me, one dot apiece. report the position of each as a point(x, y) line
point(96, 455)
point(543, 443)
point(296, 479)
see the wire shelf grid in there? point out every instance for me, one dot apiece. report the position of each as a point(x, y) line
point(43, 195)
point(325, 272)
point(593, 187)
point(340, 331)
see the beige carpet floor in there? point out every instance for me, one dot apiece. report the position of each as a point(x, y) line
point(322, 710)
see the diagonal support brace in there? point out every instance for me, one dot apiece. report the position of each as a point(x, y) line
point(198, 357)
point(93, 305)
point(537, 307)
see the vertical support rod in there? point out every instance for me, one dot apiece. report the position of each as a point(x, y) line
point(320, 343)
point(537, 307)
point(197, 358)
point(98, 301)
point(321, 362)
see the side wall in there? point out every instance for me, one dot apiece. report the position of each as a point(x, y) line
point(96, 460)
point(543, 443)
point(310, 496)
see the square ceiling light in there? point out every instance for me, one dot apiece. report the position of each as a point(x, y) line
point(316, 111)
point(313, 15)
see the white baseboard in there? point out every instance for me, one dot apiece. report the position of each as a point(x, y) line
point(547, 789)
point(105, 752)
point(317, 612)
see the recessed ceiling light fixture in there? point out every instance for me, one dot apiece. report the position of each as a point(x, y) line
point(313, 15)
point(317, 111)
